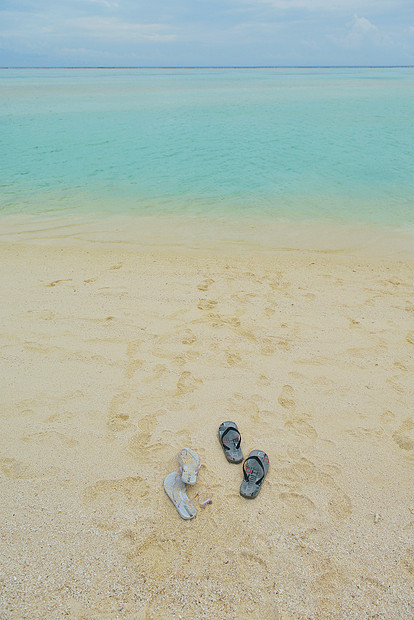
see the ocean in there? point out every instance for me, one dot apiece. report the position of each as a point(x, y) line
point(305, 144)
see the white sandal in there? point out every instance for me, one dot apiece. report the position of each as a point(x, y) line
point(176, 491)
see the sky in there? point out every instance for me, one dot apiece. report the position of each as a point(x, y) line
point(62, 33)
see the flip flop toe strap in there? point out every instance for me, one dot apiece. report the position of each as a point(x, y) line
point(247, 475)
point(230, 428)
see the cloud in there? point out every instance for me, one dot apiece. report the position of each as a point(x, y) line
point(362, 32)
point(55, 25)
point(106, 3)
point(331, 5)
point(114, 29)
point(210, 31)
point(109, 5)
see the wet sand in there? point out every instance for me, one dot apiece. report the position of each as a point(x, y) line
point(115, 356)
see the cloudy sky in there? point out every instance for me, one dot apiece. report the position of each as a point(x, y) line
point(206, 32)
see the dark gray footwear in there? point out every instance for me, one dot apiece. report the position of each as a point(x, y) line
point(255, 468)
point(230, 439)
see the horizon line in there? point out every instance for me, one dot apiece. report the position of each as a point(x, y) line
point(211, 67)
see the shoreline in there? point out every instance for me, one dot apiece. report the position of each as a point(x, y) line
point(117, 355)
point(223, 234)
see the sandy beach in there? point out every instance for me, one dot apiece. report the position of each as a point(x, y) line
point(117, 355)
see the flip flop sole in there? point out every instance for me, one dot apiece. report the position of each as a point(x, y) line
point(255, 469)
point(190, 464)
point(229, 436)
point(176, 491)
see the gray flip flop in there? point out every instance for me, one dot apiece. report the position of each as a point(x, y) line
point(230, 439)
point(255, 468)
point(176, 491)
point(190, 464)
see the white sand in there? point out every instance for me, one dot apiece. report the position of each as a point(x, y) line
point(114, 357)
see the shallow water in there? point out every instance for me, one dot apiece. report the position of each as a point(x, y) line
point(297, 144)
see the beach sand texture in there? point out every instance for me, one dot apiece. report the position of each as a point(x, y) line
point(114, 358)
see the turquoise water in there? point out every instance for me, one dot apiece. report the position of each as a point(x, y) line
point(284, 143)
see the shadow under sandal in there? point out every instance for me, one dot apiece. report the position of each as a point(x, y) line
point(255, 468)
point(176, 491)
point(230, 439)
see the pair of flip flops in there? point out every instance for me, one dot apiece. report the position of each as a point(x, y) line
point(175, 483)
point(255, 467)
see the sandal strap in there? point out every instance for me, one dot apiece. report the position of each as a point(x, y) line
point(246, 475)
point(230, 428)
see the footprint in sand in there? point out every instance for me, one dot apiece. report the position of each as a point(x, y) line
point(118, 417)
point(221, 320)
point(286, 398)
point(301, 426)
point(243, 298)
point(364, 433)
point(141, 445)
point(119, 422)
point(298, 422)
point(387, 417)
point(11, 468)
point(55, 282)
point(404, 435)
point(393, 382)
point(274, 283)
point(205, 284)
point(263, 380)
point(183, 358)
point(187, 383)
point(189, 337)
point(401, 366)
point(339, 504)
point(232, 359)
point(299, 472)
point(147, 423)
point(206, 304)
point(148, 451)
point(410, 338)
point(284, 343)
point(267, 347)
point(52, 439)
point(394, 281)
point(114, 490)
